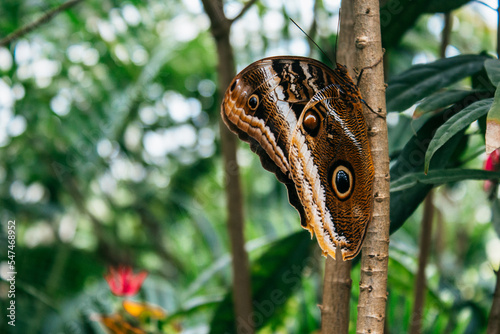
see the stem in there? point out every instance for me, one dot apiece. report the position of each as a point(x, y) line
point(494, 321)
point(375, 251)
point(446, 33)
point(336, 296)
point(425, 245)
point(33, 25)
point(242, 296)
point(337, 282)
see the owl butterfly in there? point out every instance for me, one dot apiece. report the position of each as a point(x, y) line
point(305, 122)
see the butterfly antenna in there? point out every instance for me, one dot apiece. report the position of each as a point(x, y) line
point(312, 41)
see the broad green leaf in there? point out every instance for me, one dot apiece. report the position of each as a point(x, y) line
point(274, 276)
point(438, 177)
point(492, 67)
point(493, 125)
point(193, 306)
point(441, 100)
point(411, 160)
point(420, 81)
point(444, 6)
point(456, 123)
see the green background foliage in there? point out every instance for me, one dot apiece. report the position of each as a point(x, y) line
point(110, 154)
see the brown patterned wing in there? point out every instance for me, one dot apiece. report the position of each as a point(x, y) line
point(304, 121)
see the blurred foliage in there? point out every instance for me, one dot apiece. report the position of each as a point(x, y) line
point(109, 154)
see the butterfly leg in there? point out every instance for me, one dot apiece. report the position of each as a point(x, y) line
point(358, 79)
point(378, 112)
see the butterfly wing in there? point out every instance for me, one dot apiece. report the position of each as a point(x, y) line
point(266, 105)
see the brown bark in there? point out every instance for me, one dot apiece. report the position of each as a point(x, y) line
point(494, 321)
point(336, 296)
point(420, 281)
point(446, 33)
point(220, 27)
point(337, 281)
point(33, 25)
point(375, 251)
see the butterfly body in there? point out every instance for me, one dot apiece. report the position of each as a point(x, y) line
point(305, 122)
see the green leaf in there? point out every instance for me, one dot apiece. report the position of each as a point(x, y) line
point(492, 67)
point(437, 177)
point(398, 16)
point(274, 276)
point(493, 125)
point(444, 6)
point(441, 100)
point(193, 306)
point(420, 81)
point(456, 123)
point(411, 160)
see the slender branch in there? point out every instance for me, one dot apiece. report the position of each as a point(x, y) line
point(446, 33)
point(337, 282)
point(494, 320)
point(375, 251)
point(33, 25)
point(313, 28)
point(242, 294)
point(243, 10)
point(336, 296)
point(420, 281)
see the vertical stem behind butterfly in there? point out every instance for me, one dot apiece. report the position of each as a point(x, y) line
point(375, 251)
point(337, 281)
point(220, 27)
point(420, 280)
point(494, 317)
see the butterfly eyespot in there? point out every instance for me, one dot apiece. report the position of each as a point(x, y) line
point(253, 102)
point(342, 182)
point(311, 122)
point(233, 86)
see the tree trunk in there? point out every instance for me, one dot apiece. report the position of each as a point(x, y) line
point(337, 281)
point(220, 27)
point(375, 251)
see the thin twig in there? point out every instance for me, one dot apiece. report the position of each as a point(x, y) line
point(243, 10)
point(33, 25)
point(446, 33)
point(313, 28)
point(242, 294)
point(420, 281)
point(494, 320)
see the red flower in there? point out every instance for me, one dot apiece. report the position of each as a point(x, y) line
point(492, 163)
point(123, 282)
